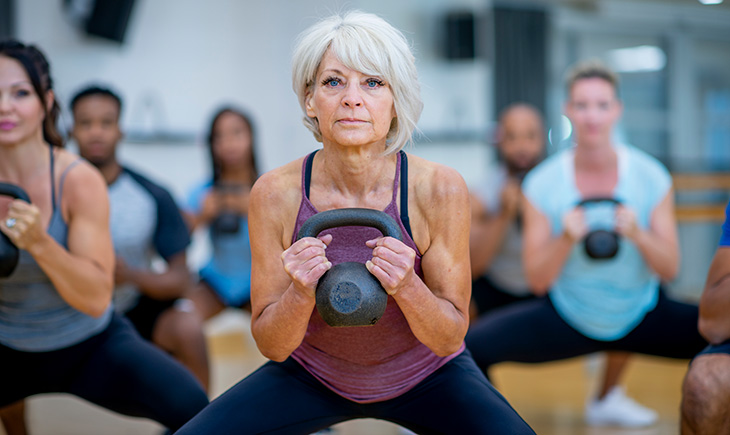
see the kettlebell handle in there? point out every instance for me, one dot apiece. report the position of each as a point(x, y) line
point(586, 201)
point(343, 217)
point(14, 191)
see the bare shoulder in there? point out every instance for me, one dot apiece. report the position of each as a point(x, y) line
point(84, 189)
point(433, 182)
point(275, 199)
point(82, 178)
point(278, 186)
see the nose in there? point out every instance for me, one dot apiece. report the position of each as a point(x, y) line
point(352, 97)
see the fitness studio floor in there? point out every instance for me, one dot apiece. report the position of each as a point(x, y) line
point(549, 396)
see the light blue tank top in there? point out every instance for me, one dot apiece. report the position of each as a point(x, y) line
point(33, 316)
point(602, 299)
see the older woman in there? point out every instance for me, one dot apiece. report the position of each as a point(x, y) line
point(357, 84)
point(58, 330)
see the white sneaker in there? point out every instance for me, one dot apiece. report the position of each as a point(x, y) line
point(616, 408)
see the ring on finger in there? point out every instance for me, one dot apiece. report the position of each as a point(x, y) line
point(10, 222)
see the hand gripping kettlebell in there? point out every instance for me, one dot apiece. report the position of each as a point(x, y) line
point(9, 252)
point(348, 294)
point(600, 244)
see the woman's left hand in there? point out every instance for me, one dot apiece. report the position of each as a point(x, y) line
point(626, 222)
point(26, 228)
point(392, 263)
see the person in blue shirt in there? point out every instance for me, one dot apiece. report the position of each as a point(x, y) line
point(495, 242)
point(221, 204)
point(613, 304)
point(706, 389)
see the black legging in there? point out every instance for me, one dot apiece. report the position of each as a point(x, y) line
point(283, 398)
point(533, 332)
point(115, 369)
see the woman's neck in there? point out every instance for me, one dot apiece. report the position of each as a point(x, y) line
point(23, 161)
point(237, 174)
point(357, 172)
point(595, 158)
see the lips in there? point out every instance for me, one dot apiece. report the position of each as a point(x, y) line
point(7, 125)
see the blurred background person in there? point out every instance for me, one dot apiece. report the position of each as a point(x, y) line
point(613, 303)
point(145, 224)
point(220, 204)
point(706, 389)
point(496, 245)
point(59, 331)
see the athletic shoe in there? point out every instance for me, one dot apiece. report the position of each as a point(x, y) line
point(616, 408)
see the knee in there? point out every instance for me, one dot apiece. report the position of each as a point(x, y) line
point(705, 390)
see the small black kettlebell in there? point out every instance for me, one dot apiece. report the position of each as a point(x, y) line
point(348, 294)
point(9, 252)
point(600, 244)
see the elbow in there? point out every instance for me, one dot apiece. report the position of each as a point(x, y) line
point(537, 286)
point(444, 351)
point(98, 308)
point(711, 331)
point(274, 355)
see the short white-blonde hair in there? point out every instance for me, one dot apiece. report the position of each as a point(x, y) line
point(366, 43)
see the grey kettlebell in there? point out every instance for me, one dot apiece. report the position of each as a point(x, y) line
point(348, 294)
point(8, 251)
point(600, 244)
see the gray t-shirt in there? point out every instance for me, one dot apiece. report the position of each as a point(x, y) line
point(506, 270)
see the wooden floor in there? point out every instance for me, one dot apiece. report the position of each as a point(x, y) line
point(550, 397)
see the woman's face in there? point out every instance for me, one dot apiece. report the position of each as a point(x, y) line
point(21, 110)
point(352, 108)
point(231, 139)
point(593, 109)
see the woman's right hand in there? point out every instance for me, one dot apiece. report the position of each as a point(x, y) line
point(574, 224)
point(305, 263)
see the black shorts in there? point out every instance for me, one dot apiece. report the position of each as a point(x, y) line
point(488, 296)
point(723, 347)
point(144, 315)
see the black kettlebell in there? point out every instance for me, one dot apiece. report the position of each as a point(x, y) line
point(348, 294)
point(600, 244)
point(8, 251)
point(227, 222)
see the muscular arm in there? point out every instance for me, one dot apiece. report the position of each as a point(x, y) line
point(82, 275)
point(714, 322)
point(280, 309)
point(543, 254)
point(436, 307)
point(169, 284)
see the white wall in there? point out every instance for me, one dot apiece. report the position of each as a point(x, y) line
point(183, 58)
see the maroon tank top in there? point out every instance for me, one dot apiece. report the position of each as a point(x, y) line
point(368, 363)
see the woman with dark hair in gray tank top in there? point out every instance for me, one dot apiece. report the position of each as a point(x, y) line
point(58, 331)
point(356, 81)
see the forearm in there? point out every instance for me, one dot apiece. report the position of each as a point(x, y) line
point(162, 286)
point(660, 255)
point(280, 327)
point(435, 321)
point(543, 265)
point(82, 283)
point(714, 322)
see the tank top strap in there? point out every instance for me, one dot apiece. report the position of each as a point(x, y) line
point(61, 182)
point(53, 178)
point(307, 173)
point(401, 175)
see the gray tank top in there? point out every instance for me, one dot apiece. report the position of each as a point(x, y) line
point(33, 316)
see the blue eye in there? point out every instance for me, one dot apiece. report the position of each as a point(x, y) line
point(333, 83)
point(374, 83)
